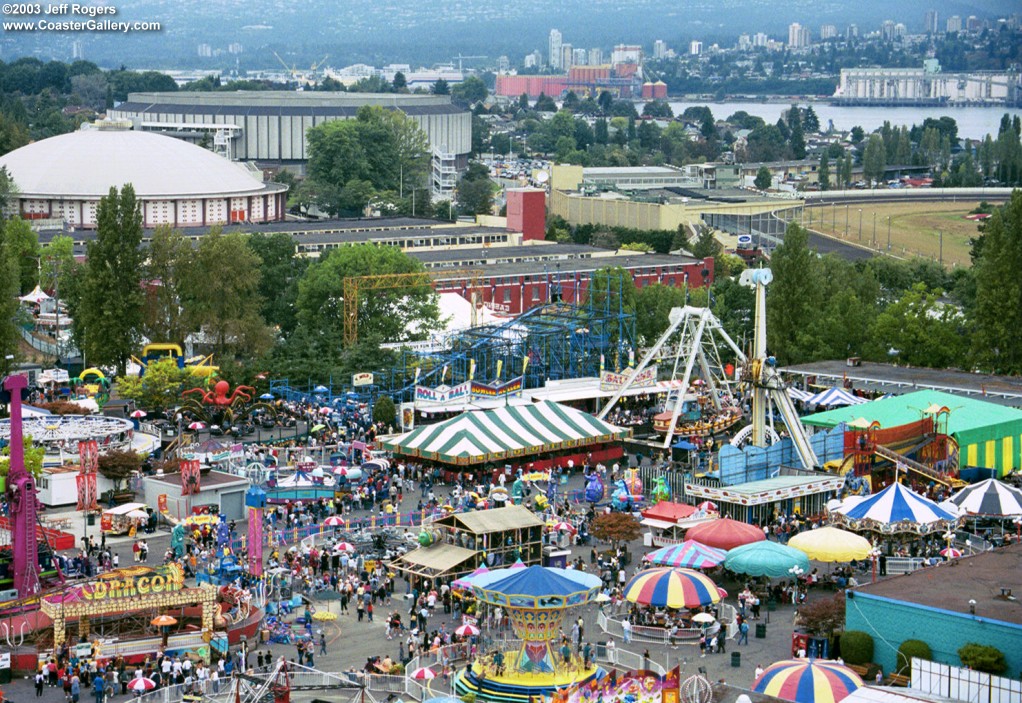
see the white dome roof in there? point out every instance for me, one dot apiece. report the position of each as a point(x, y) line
point(88, 162)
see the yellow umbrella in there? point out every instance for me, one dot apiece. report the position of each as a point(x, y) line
point(831, 544)
point(323, 615)
point(860, 423)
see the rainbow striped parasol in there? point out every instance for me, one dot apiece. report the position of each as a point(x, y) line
point(689, 554)
point(672, 588)
point(807, 681)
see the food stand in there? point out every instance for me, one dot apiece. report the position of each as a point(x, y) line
point(124, 519)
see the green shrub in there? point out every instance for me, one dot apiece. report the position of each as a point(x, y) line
point(983, 657)
point(469, 698)
point(909, 649)
point(856, 647)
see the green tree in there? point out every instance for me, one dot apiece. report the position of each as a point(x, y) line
point(998, 310)
point(656, 302)
point(705, 245)
point(400, 83)
point(612, 287)
point(797, 140)
point(983, 657)
point(158, 389)
point(874, 160)
point(658, 108)
point(792, 298)
point(353, 161)
point(810, 121)
point(441, 87)
point(384, 410)
point(384, 315)
point(280, 269)
point(167, 260)
point(824, 172)
point(923, 330)
point(846, 171)
point(475, 191)
point(58, 259)
point(470, 91)
point(24, 243)
point(763, 178)
point(220, 296)
point(544, 103)
point(109, 315)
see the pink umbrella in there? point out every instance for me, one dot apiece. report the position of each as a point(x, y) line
point(467, 631)
point(707, 506)
point(142, 684)
point(423, 674)
point(566, 526)
point(341, 471)
point(517, 565)
point(196, 426)
point(325, 411)
point(139, 413)
point(950, 553)
point(345, 547)
point(334, 521)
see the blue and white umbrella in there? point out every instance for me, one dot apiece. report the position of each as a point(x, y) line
point(832, 397)
point(990, 497)
point(895, 504)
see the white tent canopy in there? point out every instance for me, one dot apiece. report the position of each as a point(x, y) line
point(833, 397)
point(36, 296)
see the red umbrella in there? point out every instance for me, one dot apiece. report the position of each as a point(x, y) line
point(467, 631)
point(725, 533)
point(334, 521)
point(142, 684)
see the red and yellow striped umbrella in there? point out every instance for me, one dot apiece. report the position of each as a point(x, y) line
point(807, 681)
point(672, 588)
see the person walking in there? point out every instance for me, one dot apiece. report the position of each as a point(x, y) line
point(626, 629)
point(322, 642)
point(39, 681)
point(743, 633)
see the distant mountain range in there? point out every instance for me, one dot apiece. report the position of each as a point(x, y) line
point(429, 31)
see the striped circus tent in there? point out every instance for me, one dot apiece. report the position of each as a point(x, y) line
point(833, 397)
point(672, 588)
point(504, 433)
point(897, 504)
point(807, 681)
point(689, 555)
point(990, 497)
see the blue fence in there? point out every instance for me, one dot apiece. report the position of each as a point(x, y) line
point(758, 463)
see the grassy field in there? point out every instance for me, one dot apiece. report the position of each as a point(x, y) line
point(915, 228)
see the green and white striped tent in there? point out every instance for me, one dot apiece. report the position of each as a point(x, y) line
point(503, 433)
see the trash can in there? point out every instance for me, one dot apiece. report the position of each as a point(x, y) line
point(771, 605)
point(90, 519)
point(5, 675)
point(760, 630)
point(736, 659)
point(601, 650)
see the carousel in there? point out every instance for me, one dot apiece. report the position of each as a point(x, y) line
point(536, 599)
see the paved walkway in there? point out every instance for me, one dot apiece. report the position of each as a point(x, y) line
point(350, 643)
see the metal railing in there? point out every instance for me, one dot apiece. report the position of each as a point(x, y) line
point(661, 635)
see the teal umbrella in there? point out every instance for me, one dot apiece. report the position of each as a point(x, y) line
point(766, 558)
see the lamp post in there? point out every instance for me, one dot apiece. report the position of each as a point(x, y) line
point(860, 224)
point(874, 557)
point(888, 233)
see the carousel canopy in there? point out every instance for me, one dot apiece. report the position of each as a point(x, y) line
point(831, 544)
point(896, 503)
point(689, 554)
point(807, 681)
point(833, 397)
point(725, 533)
point(36, 296)
point(990, 497)
point(672, 588)
point(535, 587)
point(765, 558)
point(501, 433)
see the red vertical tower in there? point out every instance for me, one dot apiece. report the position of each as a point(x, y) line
point(526, 212)
point(21, 497)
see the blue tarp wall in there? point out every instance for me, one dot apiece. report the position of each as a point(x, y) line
point(756, 463)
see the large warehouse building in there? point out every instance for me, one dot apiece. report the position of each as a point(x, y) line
point(269, 127)
point(61, 180)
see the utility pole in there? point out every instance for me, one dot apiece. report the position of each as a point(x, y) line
point(874, 228)
point(846, 221)
point(888, 233)
point(940, 238)
point(860, 224)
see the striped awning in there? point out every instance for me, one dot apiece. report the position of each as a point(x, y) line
point(504, 433)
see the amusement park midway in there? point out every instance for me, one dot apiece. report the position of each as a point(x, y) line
point(693, 524)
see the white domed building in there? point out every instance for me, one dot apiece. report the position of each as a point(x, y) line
point(176, 183)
